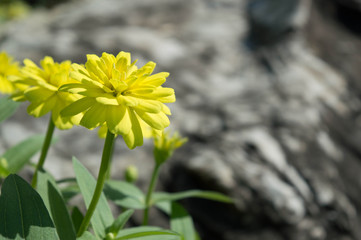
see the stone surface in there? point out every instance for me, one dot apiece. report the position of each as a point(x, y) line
point(276, 127)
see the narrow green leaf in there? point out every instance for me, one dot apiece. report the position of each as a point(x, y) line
point(7, 108)
point(165, 206)
point(23, 214)
point(147, 233)
point(124, 194)
point(87, 236)
point(54, 201)
point(70, 191)
point(120, 221)
point(102, 217)
point(77, 218)
point(163, 196)
point(21, 153)
point(182, 222)
point(62, 220)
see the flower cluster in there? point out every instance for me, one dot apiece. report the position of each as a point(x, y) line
point(108, 92)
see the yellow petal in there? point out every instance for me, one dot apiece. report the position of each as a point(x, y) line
point(128, 101)
point(122, 64)
point(37, 94)
point(155, 120)
point(94, 117)
point(156, 80)
point(151, 106)
point(80, 76)
point(166, 109)
point(58, 120)
point(135, 137)
point(146, 69)
point(38, 109)
point(79, 106)
point(107, 100)
point(125, 55)
point(118, 120)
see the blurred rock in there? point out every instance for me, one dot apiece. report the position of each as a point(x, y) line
point(278, 128)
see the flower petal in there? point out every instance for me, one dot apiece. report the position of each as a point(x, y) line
point(135, 137)
point(60, 121)
point(38, 109)
point(37, 94)
point(94, 117)
point(128, 101)
point(118, 120)
point(150, 106)
point(79, 106)
point(107, 100)
point(155, 120)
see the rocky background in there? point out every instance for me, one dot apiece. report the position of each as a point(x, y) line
point(268, 93)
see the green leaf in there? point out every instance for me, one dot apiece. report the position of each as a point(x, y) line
point(7, 108)
point(163, 196)
point(165, 206)
point(21, 153)
point(23, 214)
point(4, 167)
point(147, 233)
point(55, 203)
point(87, 236)
point(120, 221)
point(77, 218)
point(124, 194)
point(70, 191)
point(182, 222)
point(102, 217)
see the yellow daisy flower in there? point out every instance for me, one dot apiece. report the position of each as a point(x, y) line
point(7, 68)
point(120, 95)
point(42, 92)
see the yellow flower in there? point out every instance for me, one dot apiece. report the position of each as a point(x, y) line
point(165, 144)
point(120, 95)
point(7, 67)
point(42, 92)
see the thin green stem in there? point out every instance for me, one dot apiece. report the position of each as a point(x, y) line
point(107, 177)
point(103, 171)
point(151, 188)
point(44, 151)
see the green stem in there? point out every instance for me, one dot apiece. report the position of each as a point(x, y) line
point(44, 151)
point(151, 188)
point(103, 171)
point(107, 177)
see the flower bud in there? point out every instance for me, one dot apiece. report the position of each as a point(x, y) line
point(131, 174)
point(164, 145)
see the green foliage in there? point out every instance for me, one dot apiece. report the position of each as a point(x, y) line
point(148, 233)
point(77, 217)
point(55, 204)
point(102, 217)
point(125, 194)
point(119, 223)
point(182, 222)
point(7, 108)
point(163, 196)
point(23, 214)
point(19, 155)
point(87, 236)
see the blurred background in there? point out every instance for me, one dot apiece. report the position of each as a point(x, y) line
point(268, 93)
